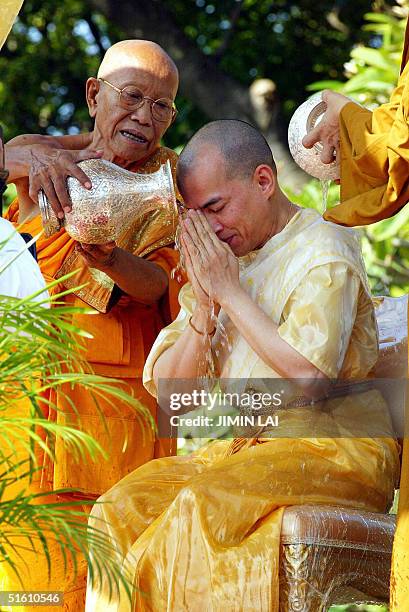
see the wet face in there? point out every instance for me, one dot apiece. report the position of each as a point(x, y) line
point(238, 209)
point(129, 136)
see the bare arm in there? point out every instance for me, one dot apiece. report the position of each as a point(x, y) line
point(187, 358)
point(70, 142)
point(261, 333)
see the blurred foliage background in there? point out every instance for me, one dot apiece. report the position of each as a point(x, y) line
point(223, 48)
point(292, 47)
point(55, 46)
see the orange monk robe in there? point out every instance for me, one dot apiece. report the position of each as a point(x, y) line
point(374, 186)
point(374, 157)
point(122, 339)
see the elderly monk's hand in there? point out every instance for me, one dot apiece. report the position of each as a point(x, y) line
point(99, 256)
point(49, 170)
point(327, 131)
point(215, 266)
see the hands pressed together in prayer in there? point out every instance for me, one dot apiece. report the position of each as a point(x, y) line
point(213, 272)
point(211, 266)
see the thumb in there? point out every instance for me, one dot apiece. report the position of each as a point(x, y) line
point(87, 154)
point(311, 138)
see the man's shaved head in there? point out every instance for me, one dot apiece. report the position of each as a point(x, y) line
point(143, 54)
point(242, 147)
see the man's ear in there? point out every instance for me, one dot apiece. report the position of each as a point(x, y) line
point(265, 179)
point(91, 91)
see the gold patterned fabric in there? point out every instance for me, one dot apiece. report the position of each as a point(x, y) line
point(151, 232)
point(202, 532)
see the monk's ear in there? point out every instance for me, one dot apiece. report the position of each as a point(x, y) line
point(92, 89)
point(265, 180)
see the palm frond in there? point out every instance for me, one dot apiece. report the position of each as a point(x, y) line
point(41, 351)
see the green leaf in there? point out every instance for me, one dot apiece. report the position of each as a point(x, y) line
point(390, 227)
point(319, 85)
point(372, 57)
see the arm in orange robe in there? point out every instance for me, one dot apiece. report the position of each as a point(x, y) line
point(374, 158)
point(122, 337)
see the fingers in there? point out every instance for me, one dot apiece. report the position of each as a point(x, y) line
point(206, 232)
point(188, 262)
point(87, 154)
point(338, 151)
point(328, 153)
point(192, 243)
point(103, 248)
point(198, 289)
point(98, 255)
point(75, 171)
point(312, 137)
point(86, 247)
point(186, 255)
point(201, 232)
point(108, 246)
point(47, 186)
point(60, 188)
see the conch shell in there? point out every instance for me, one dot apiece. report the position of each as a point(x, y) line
point(305, 118)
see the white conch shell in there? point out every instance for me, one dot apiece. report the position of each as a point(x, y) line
point(305, 118)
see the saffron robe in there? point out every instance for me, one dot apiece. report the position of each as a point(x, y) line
point(202, 532)
point(120, 343)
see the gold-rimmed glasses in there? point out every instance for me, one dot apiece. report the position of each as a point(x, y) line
point(132, 98)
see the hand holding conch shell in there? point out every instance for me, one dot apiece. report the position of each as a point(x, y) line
point(327, 130)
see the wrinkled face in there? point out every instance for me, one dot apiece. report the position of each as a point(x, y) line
point(238, 209)
point(129, 136)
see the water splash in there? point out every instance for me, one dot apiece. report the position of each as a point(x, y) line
point(207, 364)
point(325, 183)
point(177, 272)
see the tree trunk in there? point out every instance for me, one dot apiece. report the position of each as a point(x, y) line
point(216, 93)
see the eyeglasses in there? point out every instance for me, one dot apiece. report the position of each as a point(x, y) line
point(132, 98)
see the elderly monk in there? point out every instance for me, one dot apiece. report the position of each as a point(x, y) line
point(129, 284)
point(290, 293)
point(374, 160)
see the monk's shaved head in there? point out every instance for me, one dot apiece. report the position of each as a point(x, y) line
point(131, 131)
point(242, 147)
point(143, 54)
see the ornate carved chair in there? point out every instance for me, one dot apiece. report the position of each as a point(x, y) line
point(335, 555)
